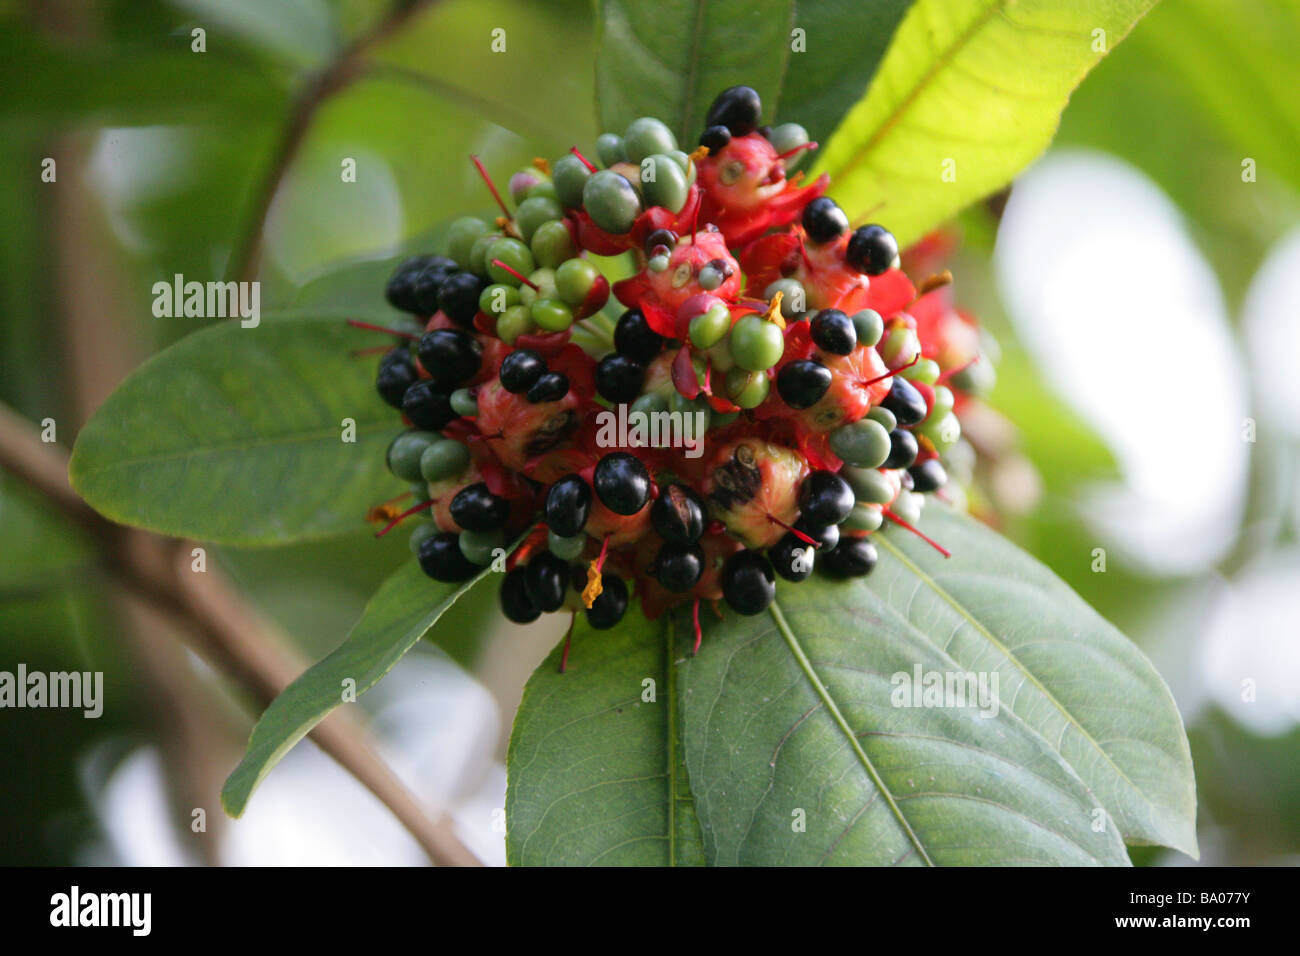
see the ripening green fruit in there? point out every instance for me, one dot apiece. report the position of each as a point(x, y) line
point(514, 254)
point(464, 403)
point(552, 315)
point(478, 261)
point(517, 321)
point(883, 415)
point(552, 244)
point(533, 212)
point(686, 163)
point(544, 280)
point(479, 546)
point(870, 326)
point(423, 530)
point(462, 235)
point(567, 549)
point(756, 344)
point(611, 149)
point(899, 346)
point(569, 174)
point(977, 378)
point(863, 518)
point(663, 183)
point(574, 279)
point(943, 402)
point(611, 201)
point(496, 298)
point(863, 444)
point(908, 507)
point(794, 300)
point(709, 328)
point(786, 137)
point(405, 450)
point(868, 484)
point(942, 432)
point(645, 136)
point(925, 371)
point(444, 459)
point(747, 389)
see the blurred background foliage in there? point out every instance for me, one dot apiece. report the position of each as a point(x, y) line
point(164, 157)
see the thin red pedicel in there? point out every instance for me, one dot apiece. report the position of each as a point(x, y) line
point(522, 278)
point(478, 164)
point(926, 538)
point(370, 327)
point(403, 516)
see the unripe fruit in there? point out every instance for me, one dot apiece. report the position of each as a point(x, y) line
point(552, 244)
point(711, 327)
point(869, 326)
point(646, 136)
point(747, 389)
point(663, 182)
point(756, 344)
point(461, 236)
point(404, 453)
point(514, 254)
point(569, 176)
point(574, 279)
point(533, 213)
point(443, 459)
point(863, 444)
point(552, 315)
point(611, 201)
point(611, 149)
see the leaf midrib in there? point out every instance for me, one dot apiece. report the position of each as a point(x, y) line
point(896, 114)
point(833, 709)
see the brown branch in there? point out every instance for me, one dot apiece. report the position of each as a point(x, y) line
point(337, 75)
point(228, 634)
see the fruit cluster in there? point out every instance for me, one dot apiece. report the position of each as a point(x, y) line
point(779, 345)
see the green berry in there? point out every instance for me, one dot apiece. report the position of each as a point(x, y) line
point(747, 389)
point(574, 279)
point(543, 190)
point(943, 402)
point(663, 183)
point(610, 148)
point(863, 444)
point(552, 244)
point(445, 459)
point(908, 507)
point(567, 549)
point(649, 404)
point(870, 326)
point(720, 357)
point(900, 346)
point(405, 451)
point(533, 212)
point(794, 300)
point(709, 328)
point(925, 371)
point(517, 321)
point(569, 175)
point(611, 201)
point(977, 378)
point(786, 137)
point(868, 484)
point(552, 315)
point(756, 344)
point(942, 432)
point(464, 403)
point(688, 406)
point(462, 235)
point(863, 518)
point(514, 254)
point(420, 491)
point(424, 530)
point(883, 415)
point(645, 136)
point(544, 280)
point(686, 163)
point(496, 298)
point(658, 263)
point(478, 260)
point(478, 546)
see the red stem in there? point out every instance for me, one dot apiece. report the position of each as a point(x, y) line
point(699, 634)
point(591, 167)
point(928, 540)
point(791, 152)
point(889, 374)
point(370, 327)
point(404, 515)
point(524, 279)
point(488, 179)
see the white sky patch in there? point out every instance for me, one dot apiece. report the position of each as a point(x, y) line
point(1126, 320)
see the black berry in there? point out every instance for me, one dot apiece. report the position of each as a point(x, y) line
point(427, 283)
point(825, 498)
point(824, 220)
point(451, 356)
point(659, 239)
point(715, 138)
point(550, 387)
point(905, 402)
point(400, 290)
point(748, 582)
point(622, 483)
point(928, 476)
point(475, 508)
point(902, 449)
point(824, 536)
point(521, 369)
point(678, 568)
point(458, 297)
point(427, 406)
point(851, 558)
point(396, 374)
point(834, 332)
point(678, 515)
point(441, 559)
point(634, 338)
point(803, 382)
point(619, 379)
point(568, 504)
point(546, 578)
point(738, 108)
point(792, 557)
point(516, 605)
point(608, 609)
point(872, 249)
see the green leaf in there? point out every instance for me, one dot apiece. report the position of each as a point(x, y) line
point(796, 712)
point(395, 619)
point(234, 436)
point(968, 94)
point(670, 59)
point(595, 774)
